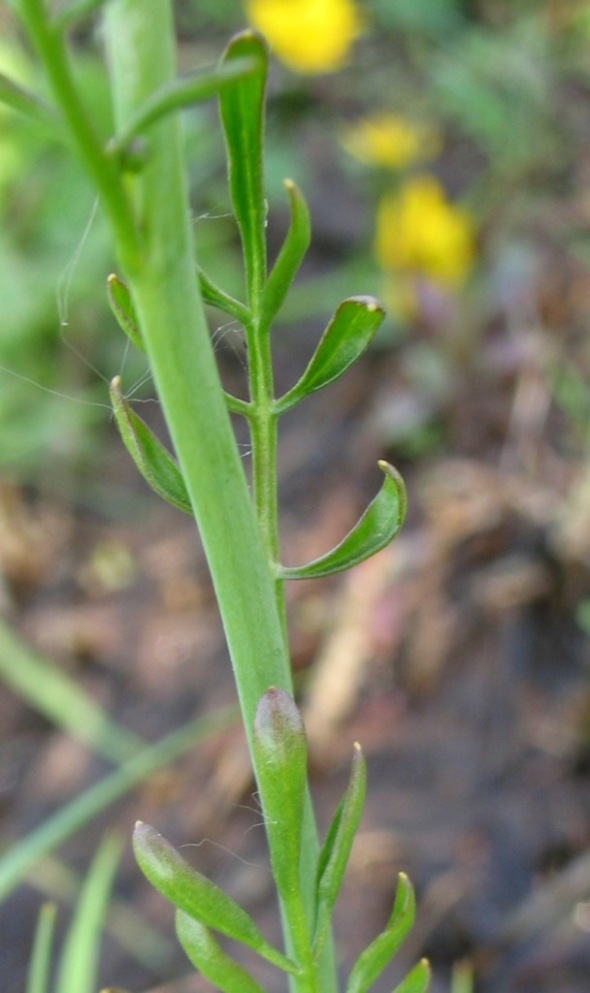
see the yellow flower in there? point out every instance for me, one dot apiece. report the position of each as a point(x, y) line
point(390, 141)
point(419, 232)
point(309, 36)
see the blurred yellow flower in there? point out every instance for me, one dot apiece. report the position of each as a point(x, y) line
point(310, 36)
point(388, 140)
point(419, 232)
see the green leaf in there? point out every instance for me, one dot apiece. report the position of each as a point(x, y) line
point(242, 117)
point(181, 93)
point(280, 752)
point(209, 958)
point(335, 851)
point(79, 959)
point(154, 462)
point(40, 965)
point(123, 310)
point(348, 334)
point(216, 297)
point(371, 963)
point(417, 981)
point(197, 896)
point(379, 524)
point(290, 256)
point(18, 98)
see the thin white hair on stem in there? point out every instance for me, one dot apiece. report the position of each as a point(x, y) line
point(224, 848)
point(64, 282)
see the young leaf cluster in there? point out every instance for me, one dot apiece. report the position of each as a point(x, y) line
point(202, 907)
point(347, 335)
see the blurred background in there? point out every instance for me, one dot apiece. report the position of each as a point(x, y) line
point(444, 149)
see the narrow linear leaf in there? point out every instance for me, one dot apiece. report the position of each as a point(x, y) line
point(133, 934)
point(123, 310)
point(79, 959)
point(209, 958)
point(154, 462)
point(19, 98)
point(51, 692)
point(197, 896)
point(335, 851)
point(378, 526)
point(40, 965)
point(181, 93)
point(371, 963)
point(417, 981)
point(216, 297)
point(348, 334)
point(242, 117)
point(290, 256)
point(280, 752)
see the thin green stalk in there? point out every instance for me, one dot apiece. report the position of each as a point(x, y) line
point(103, 170)
point(263, 433)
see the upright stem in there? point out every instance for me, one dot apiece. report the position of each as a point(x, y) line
point(140, 43)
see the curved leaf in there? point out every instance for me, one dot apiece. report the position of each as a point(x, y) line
point(335, 851)
point(197, 896)
point(348, 334)
point(290, 256)
point(242, 116)
point(179, 93)
point(216, 297)
point(123, 310)
point(379, 524)
point(371, 963)
point(417, 980)
point(280, 752)
point(209, 958)
point(154, 462)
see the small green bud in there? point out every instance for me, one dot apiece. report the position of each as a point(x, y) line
point(280, 752)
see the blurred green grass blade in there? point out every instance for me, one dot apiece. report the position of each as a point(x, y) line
point(79, 959)
point(378, 526)
point(46, 688)
point(153, 461)
point(130, 929)
point(208, 957)
point(417, 981)
point(21, 856)
point(242, 116)
point(40, 965)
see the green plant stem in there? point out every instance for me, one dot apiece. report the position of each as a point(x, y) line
point(103, 171)
point(141, 52)
point(263, 433)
